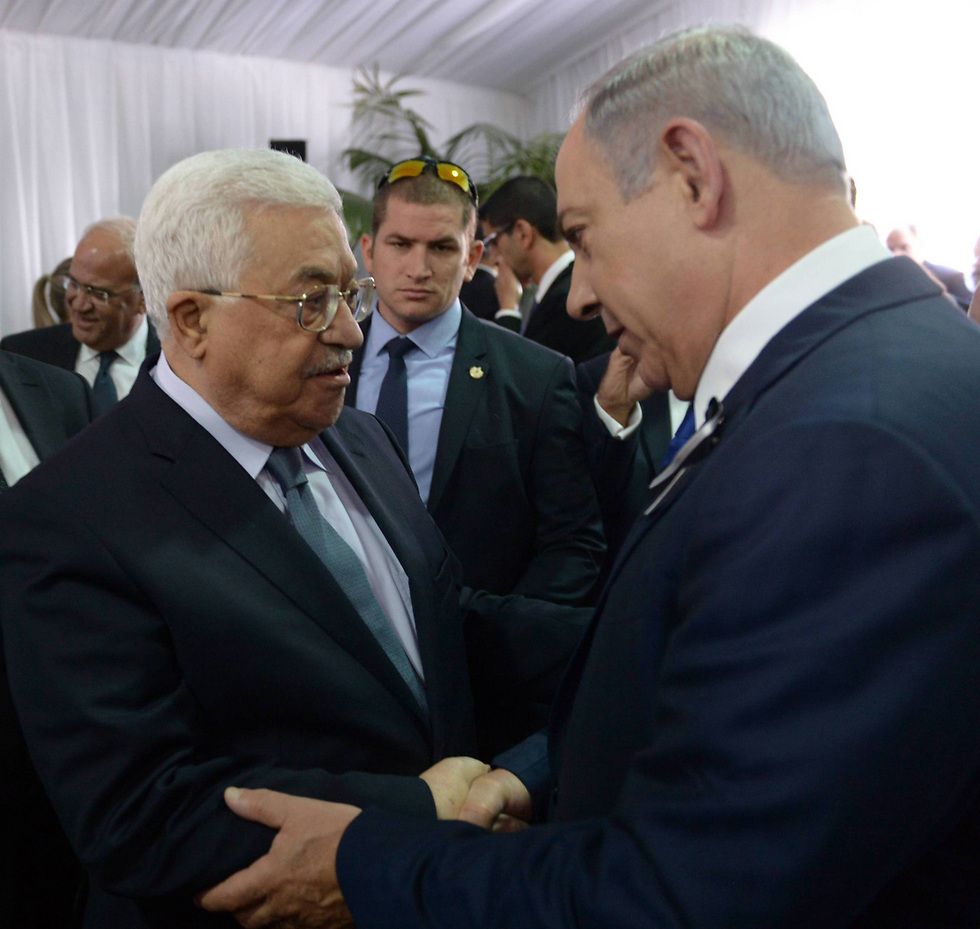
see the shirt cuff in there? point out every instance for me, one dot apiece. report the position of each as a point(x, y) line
point(508, 311)
point(616, 430)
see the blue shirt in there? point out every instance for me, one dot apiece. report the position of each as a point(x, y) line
point(427, 370)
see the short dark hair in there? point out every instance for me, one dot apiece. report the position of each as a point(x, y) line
point(527, 198)
point(426, 189)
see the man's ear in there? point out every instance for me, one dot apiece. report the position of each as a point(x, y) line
point(367, 252)
point(473, 259)
point(524, 233)
point(189, 315)
point(691, 154)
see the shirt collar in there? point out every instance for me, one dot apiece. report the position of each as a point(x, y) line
point(133, 351)
point(551, 275)
point(817, 273)
point(431, 337)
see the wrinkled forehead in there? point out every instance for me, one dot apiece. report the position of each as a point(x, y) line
point(298, 243)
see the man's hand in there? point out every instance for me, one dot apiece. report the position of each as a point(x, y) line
point(507, 286)
point(450, 780)
point(294, 885)
point(621, 387)
point(498, 801)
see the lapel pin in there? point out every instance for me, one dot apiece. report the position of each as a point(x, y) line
point(476, 372)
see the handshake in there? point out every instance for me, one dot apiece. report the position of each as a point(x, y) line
point(295, 884)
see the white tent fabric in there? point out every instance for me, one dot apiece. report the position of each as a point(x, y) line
point(87, 125)
point(97, 97)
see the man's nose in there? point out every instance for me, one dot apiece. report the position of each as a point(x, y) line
point(582, 302)
point(343, 329)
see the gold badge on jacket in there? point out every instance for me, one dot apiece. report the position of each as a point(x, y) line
point(476, 372)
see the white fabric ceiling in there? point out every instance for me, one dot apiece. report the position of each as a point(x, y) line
point(501, 44)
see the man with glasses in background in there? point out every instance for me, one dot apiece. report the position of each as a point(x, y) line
point(521, 221)
point(108, 335)
point(230, 578)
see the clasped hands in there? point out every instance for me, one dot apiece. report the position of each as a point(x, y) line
point(294, 885)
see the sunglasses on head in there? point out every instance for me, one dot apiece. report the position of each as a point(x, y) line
point(444, 170)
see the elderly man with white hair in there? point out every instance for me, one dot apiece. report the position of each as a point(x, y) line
point(230, 578)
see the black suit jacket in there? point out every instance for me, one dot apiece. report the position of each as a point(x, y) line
point(621, 469)
point(510, 487)
point(50, 405)
point(550, 324)
point(55, 345)
point(41, 881)
point(773, 718)
point(169, 633)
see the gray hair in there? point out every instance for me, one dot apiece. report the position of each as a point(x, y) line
point(745, 88)
point(191, 233)
point(123, 228)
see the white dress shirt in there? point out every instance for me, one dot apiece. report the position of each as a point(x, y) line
point(335, 497)
point(778, 303)
point(124, 369)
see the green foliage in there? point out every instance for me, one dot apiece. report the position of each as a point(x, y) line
point(388, 130)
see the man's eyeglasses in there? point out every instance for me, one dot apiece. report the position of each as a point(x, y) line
point(444, 170)
point(73, 288)
point(491, 239)
point(316, 310)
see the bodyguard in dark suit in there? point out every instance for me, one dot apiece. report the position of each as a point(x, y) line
point(772, 720)
point(494, 426)
point(522, 233)
point(42, 882)
point(108, 335)
point(209, 589)
point(490, 422)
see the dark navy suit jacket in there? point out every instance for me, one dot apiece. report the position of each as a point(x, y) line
point(773, 718)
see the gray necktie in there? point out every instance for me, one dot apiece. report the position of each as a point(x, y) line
point(527, 316)
point(103, 390)
point(286, 466)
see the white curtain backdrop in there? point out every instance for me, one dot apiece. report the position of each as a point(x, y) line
point(86, 126)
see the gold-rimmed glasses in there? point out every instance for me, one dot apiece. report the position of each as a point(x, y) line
point(315, 311)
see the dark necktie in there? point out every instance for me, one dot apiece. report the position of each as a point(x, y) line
point(527, 316)
point(103, 390)
point(3, 482)
point(392, 407)
point(684, 431)
point(286, 466)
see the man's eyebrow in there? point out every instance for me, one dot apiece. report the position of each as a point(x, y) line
point(315, 273)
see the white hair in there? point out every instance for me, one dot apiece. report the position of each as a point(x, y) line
point(745, 88)
point(123, 228)
point(191, 233)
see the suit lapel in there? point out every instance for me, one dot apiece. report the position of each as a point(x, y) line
point(544, 312)
point(467, 386)
point(208, 482)
point(395, 522)
point(26, 394)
